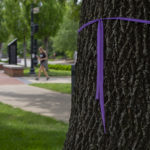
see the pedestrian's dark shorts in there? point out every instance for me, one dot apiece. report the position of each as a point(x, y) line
point(44, 64)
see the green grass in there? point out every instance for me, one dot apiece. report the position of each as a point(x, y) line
point(52, 72)
point(58, 87)
point(21, 130)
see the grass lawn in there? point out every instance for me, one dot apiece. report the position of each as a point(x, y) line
point(52, 72)
point(21, 130)
point(58, 87)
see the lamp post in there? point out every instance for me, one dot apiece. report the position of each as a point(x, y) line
point(32, 40)
point(34, 28)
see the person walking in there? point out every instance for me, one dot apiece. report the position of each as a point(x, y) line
point(43, 63)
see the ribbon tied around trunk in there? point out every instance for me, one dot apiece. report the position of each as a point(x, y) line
point(100, 57)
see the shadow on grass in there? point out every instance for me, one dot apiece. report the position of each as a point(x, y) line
point(20, 130)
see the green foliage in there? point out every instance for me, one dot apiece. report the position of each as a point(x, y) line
point(59, 67)
point(3, 30)
point(16, 22)
point(21, 130)
point(58, 87)
point(75, 10)
point(15, 18)
point(49, 18)
point(4, 61)
point(66, 39)
point(54, 72)
point(5, 45)
point(20, 48)
point(17, 14)
point(5, 49)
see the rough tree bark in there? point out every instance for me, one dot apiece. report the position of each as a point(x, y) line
point(126, 80)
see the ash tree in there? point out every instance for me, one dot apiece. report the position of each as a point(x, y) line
point(49, 19)
point(126, 79)
point(65, 40)
point(3, 29)
point(17, 20)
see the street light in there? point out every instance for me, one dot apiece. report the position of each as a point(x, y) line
point(36, 10)
point(34, 29)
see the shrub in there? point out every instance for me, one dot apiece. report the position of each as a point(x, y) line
point(59, 67)
point(4, 61)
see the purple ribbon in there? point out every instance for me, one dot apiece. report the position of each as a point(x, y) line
point(100, 57)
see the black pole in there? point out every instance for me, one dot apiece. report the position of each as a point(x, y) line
point(32, 40)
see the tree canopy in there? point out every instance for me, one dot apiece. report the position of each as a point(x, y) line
point(57, 20)
point(65, 40)
point(3, 30)
point(49, 19)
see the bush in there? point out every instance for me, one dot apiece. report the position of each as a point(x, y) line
point(4, 61)
point(60, 67)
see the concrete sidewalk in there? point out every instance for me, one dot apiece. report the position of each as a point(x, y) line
point(34, 99)
point(29, 80)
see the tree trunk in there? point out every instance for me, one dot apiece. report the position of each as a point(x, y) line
point(46, 44)
point(1, 45)
point(25, 51)
point(47, 51)
point(126, 80)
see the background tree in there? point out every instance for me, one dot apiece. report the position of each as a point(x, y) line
point(126, 80)
point(17, 20)
point(49, 19)
point(13, 17)
point(25, 25)
point(3, 30)
point(65, 40)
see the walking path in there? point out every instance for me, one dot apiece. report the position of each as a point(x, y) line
point(16, 92)
point(5, 80)
point(29, 80)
